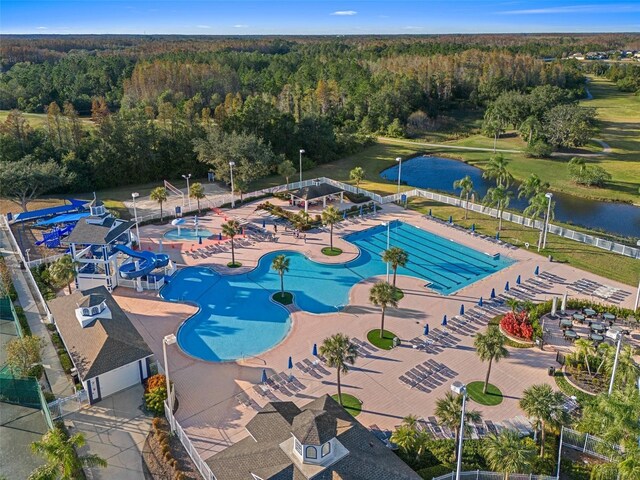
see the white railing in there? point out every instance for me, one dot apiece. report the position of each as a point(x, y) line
point(482, 475)
point(45, 260)
point(200, 464)
point(62, 407)
point(589, 444)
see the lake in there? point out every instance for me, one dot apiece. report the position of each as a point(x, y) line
point(437, 173)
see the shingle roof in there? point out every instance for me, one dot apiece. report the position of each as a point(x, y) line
point(91, 300)
point(314, 427)
point(316, 191)
point(368, 458)
point(103, 345)
point(87, 233)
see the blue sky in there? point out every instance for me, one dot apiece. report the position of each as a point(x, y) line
point(245, 17)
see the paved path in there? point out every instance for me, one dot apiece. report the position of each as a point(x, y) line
point(60, 383)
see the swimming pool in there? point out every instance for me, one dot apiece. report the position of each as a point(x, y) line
point(187, 234)
point(237, 317)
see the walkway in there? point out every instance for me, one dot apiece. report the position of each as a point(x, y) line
point(60, 383)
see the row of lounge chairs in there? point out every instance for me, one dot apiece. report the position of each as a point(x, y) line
point(520, 424)
point(283, 383)
point(427, 376)
point(590, 287)
point(460, 228)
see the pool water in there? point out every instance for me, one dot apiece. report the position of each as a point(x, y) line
point(238, 319)
point(187, 234)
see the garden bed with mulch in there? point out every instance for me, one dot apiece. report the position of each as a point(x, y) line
point(583, 380)
point(167, 459)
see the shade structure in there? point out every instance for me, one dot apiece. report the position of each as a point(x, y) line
point(290, 364)
point(493, 293)
point(506, 287)
point(426, 329)
point(177, 221)
point(264, 376)
point(264, 223)
point(563, 307)
point(554, 306)
point(537, 270)
point(473, 227)
point(315, 350)
point(518, 280)
point(444, 321)
point(480, 302)
point(450, 218)
point(199, 239)
point(462, 309)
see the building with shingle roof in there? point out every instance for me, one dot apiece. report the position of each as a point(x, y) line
point(319, 441)
point(106, 350)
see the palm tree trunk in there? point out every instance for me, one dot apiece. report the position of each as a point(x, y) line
point(495, 142)
point(339, 387)
point(466, 206)
point(282, 283)
point(160, 214)
point(395, 271)
point(198, 205)
point(233, 253)
point(486, 380)
point(542, 440)
point(499, 220)
point(331, 236)
point(69, 285)
point(382, 323)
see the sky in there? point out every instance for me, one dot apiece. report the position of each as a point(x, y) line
point(312, 17)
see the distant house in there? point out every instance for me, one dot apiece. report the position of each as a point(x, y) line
point(105, 348)
point(319, 441)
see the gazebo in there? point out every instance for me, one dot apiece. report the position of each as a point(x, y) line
point(316, 192)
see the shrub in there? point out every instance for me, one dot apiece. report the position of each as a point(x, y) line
point(36, 371)
point(65, 361)
point(57, 341)
point(48, 396)
point(154, 400)
point(433, 472)
point(538, 149)
point(22, 320)
point(156, 381)
point(51, 327)
point(517, 324)
point(157, 423)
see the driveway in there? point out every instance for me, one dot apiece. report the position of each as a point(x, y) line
point(115, 429)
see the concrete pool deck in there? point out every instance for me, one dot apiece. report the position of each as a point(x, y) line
point(209, 411)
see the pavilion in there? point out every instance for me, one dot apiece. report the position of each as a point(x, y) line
point(315, 193)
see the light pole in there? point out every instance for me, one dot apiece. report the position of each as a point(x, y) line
point(187, 177)
point(549, 196)
point(635, 307)
point(399, 160)
point(28, 257)
point(461, 389)
point(615, 362)
point(233, 198)
point(301, 152)
point(135, 195)
point(168, 340)
point(388, 225)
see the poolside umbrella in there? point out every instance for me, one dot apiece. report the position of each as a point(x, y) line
point(290, 365)
point(480, 302)
point(360, 210)
point(315, 350)
point(554, 306)
point(264, 376)
point(473, 227)
point(462, 309)
point(199, 239)
point(264, 223)
point(537, 271)
point(450, 218)
point(563, 307)
point(426, 330)
point(493, 293)
point(430, 213)
point(444, 321)
point(497, 235)
point(220, 236)
point(518, 280)
point(506, 287)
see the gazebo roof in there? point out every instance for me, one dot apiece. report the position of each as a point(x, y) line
point(313, 192)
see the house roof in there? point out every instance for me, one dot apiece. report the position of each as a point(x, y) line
point(261, 453)
point(91, 300)
point(103, 345)
point(313, 192)
point(87, 233)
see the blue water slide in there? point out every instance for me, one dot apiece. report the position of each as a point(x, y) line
point(147, 262)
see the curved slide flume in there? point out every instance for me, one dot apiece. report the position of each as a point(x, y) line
point(148, 261)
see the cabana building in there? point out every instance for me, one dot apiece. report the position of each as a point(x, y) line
point(316, 193)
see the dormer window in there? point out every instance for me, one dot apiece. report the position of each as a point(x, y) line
point(85, 312)
point(310, 452)
point(95, 310)
point(326, 449)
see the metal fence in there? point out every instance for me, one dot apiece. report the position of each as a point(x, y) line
point(589, 444)
point(482, 475)
point(200, 464)
point(62, 407)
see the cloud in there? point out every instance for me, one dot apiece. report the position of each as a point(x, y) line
point(203, 26)
point(42, 28)
point(345, 13)
point(413, 27)
point(597, 8)
point(240, 25)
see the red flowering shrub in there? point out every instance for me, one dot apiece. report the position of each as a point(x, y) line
point(518, 325)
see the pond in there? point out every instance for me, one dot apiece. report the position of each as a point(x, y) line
point(437, 173)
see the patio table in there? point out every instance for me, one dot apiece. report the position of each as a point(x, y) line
point(589, 312)
point(578, 316)
point(617, 329)
point(596, 338)
point(570, 334)
point(609, 317)
point(597, 327)
point(566, 323)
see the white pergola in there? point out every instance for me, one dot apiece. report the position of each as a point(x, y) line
point(316, 192)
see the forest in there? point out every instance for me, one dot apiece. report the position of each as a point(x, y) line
point(163, 105)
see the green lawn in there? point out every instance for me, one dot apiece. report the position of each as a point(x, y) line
point(331, 252)
point(285, 298)
point(350, 403)
point(385, 343)
point(491, 398)
point(40, 119)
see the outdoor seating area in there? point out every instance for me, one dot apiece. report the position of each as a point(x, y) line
point(427, 376)
point(496, 240)
point(605, 292)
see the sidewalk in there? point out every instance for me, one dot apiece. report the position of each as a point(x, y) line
point(60, 384)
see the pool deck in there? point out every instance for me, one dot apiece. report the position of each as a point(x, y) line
point(209, 410)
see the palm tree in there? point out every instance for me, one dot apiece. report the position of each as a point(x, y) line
point(231, 229)
point(395, 257)
point(449, 409)
point(410, 438)
point(466, 188)
point(490, 347)
point(281, 265)
point(63, 462)
point(538, 206)
point(532, 186)
point(627, 371)
point(498, 197)
point(530, 127)
point(339, 352)
point(545, 407)
point(497, 170)
point(63, 271)
point(383, 295)
point(513, 304)
point(330, 216)
point(507, 453)
point(357, 175)
point(159, 194)
point(584, 349)
point(197, 192)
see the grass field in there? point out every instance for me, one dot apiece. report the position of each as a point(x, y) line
point(350, 403)
point(491, 398)
point(40, 119)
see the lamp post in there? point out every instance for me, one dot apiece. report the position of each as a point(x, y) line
point(461, 389)
point(399, 160)
point(187, 177)
point(388, 225)
point(28, 257)
point(615, 362)
point(301, 152)
point(135, 195)
point(168, 340)
point(549, 196)
point(635, 306)
point(233, 198)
